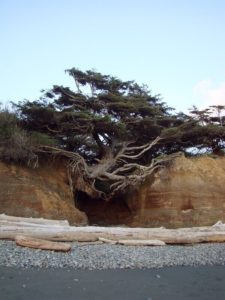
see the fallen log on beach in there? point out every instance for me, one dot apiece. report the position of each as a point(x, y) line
point(134, 242)
point(56, 232)
point(31, 242)
point(30, 221)
point(141, 243)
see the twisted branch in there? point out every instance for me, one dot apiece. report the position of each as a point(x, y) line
point(114, 170)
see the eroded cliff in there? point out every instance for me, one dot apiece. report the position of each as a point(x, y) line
point(190, 192)
point(42, 192)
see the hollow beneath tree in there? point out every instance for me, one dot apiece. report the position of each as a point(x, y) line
point(104, 213)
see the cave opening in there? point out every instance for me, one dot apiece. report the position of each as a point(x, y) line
point(104, 213)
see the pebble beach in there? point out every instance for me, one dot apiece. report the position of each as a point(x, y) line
point(105, 256)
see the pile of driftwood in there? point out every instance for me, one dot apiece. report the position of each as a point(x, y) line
point(52, 234)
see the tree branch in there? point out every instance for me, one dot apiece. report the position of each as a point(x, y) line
point(145, 149)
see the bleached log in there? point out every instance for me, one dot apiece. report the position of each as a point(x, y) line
point(141, 242)
point(92, 233)
point(134, 242)
point(30, 221)
point(80, 244)
point(31, 242)
point(23, 224)
point(52, 230)
point(107, 241)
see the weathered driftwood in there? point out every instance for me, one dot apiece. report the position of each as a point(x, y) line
point(192, 235)
point(107, 241)
point(87, 234)
point(141, 243)
point(31, 242)
point(80, 244)
point(4, 219)
point(134, 242)
point(169, 236)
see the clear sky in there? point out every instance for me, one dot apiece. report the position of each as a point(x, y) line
point(176, 47)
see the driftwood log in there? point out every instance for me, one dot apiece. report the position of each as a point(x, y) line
point(134, 242)
point(30, 221)
point(141, 243)
point(30, 242)
point(107, 241)
point(47, 230)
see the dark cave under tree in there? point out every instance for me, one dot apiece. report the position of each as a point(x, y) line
point(114, 133)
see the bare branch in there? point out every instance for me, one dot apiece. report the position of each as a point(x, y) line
point(148, 147)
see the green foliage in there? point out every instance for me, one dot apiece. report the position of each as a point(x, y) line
point(38, 139)
point(8, 123)
point(114, 112)
point(17, 144)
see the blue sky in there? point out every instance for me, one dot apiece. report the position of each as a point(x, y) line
point(176, 47)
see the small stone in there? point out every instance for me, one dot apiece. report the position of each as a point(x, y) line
point(24, 286)
point(158, 276)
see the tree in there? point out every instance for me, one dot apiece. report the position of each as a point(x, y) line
point(114, 133)
point(202, 116)
point(209, 131)
point(111, 136)
point(220, 118)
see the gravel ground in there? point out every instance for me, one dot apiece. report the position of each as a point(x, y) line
point(106, 256)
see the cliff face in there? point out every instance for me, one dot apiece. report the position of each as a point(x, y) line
point(42, 192)
point(191, 192)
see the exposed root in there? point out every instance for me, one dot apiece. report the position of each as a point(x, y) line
point(114, 171)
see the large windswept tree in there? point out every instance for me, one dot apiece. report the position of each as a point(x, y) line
point(108, 129)
point(114, 133)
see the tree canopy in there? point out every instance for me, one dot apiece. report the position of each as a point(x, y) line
point(94, 122)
